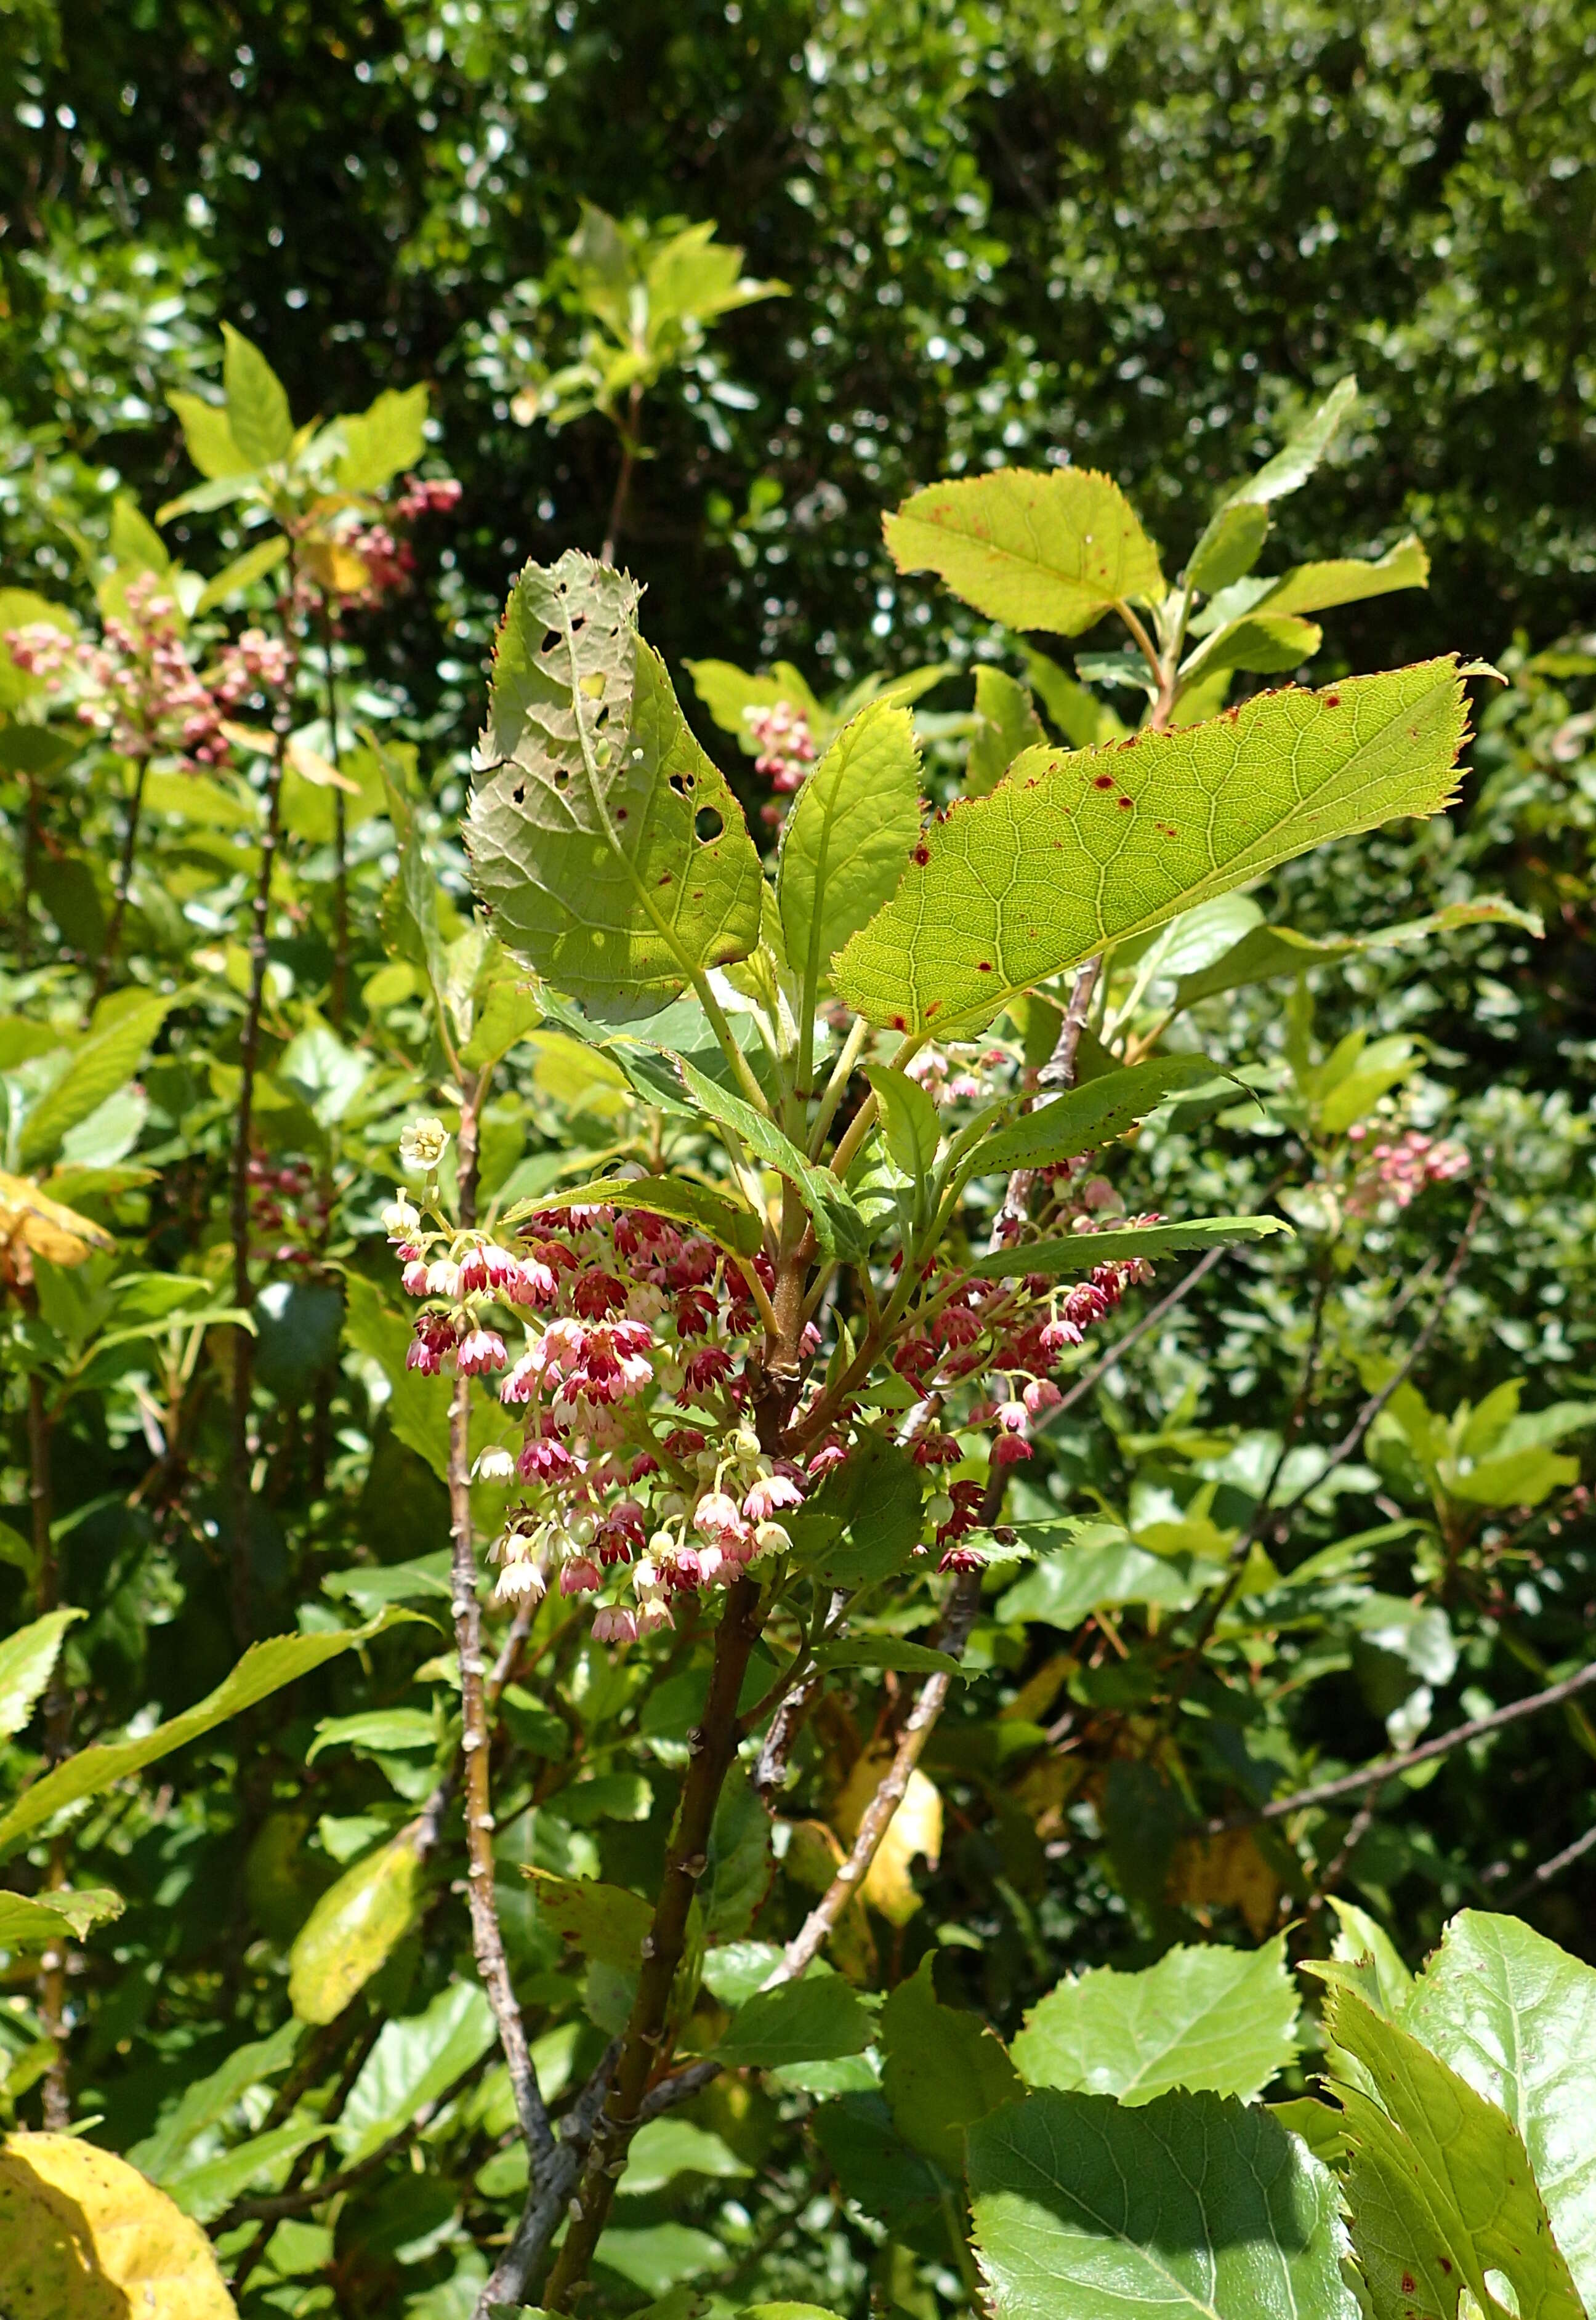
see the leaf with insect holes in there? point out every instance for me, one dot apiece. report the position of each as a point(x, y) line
point(1075, 851)
point(1051, 551)
point(611, 853)
point(1515, 2016)
point(847, 840)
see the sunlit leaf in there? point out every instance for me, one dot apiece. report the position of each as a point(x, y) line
point(1051, 551)
point(258, 413)
point(1213, 2020)
point(847, 840)
point(353, 1930)
point(83, 2236)
point(26, 1660)
point(1073, 851)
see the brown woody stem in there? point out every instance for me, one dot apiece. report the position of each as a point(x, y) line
point(488, 1941)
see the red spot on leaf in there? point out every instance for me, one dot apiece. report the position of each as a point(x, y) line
point(983, 966)
point(1103, 782)
point(1332, 700)
point(1410, 2285)
point(922, 855)
point(1123, 803)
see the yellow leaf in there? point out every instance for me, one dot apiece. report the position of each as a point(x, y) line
point(318, 771)
point(255, 740)
point(44, 1227)
point(354, 1929)
point(83, 2236)
point(336, 568)
point(916, 1828)
point(1227, 1872)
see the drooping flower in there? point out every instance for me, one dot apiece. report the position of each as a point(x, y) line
point(423, 1144)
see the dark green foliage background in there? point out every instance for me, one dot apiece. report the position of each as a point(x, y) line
point(1140, 233)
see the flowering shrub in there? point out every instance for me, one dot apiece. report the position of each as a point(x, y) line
point(866, 1347)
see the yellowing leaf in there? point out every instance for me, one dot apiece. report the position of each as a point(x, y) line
point(31, 1220)
point(333, 566)
point(1039, 551)
point(354, 1929)
point(316, 769)
point(1073, 851)
point(916, 1828)
point(83, 2236)
point(1227, 1872)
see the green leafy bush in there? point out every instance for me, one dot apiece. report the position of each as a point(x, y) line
point(793, 1467)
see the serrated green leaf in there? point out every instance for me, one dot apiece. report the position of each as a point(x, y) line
point(865, 1521)
point(1229, 546)
point(1006, 722)
point(209, 438)
point(739, 1874)
point(26, 1660)
point(909, 1119)
point(1072, 852)
point(1359, 1935)
point(1082, 1117)
point(257, 415)
point(382, 440)
point(1290, 468)
point(354, 1929)
point(1052, 551)
point(1439, 2185)
point(103, 1063)
point(1213, 2020)
point(1079, 1251)
point(942, 2070)
point(1515, 2016)
point(1193, 2205)
point(244, 571)
point(263, 1669)
point(1346, 580)
point(584, 829)
point(816, 2020)
point(847, 840)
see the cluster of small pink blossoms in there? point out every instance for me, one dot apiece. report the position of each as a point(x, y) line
point(786, 750)
point(138, 684)
point(631, 1330)
point(388, 559)
point(1393, 1174)
point(626, 1341)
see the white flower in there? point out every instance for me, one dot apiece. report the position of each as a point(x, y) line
point(399, 1219)
point(423, 1145)
point(494, 1466)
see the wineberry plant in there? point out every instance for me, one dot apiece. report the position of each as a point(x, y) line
point(570, 1336)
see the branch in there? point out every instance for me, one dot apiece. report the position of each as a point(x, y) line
point(646, 2042)
point(962, 1605)
point(1057, 1072)
point(1351, 1783)
point(1555, 1867)
point(486, 1940)
point(552, 2186)
point(315, 2195)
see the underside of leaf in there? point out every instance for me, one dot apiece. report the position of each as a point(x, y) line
point(1077, 850)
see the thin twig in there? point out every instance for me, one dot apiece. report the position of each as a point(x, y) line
point(1371, 1775)
point(964, 1603)
point(1555, 1867)
point(1149, 1320)
point(273, 2209)
point(487, 1940)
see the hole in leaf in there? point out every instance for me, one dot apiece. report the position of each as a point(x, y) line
point(561, 776)
point(708, 823)
point(678, 785)
point(520, 793)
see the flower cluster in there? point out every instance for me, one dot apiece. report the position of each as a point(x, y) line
point(786, 750)
point(1391, 1175)
point(288, 1210)
point(426, 495)
point(625, 1342)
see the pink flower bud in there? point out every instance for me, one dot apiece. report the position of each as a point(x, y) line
point(613, 1624)
point(479, 1353)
